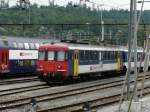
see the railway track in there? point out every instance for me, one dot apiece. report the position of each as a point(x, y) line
point(18, 80)
point(73, 95)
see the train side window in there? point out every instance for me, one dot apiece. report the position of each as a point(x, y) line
point(32, 46)
point(26, 45)
point(20, 45)
point(88, 55)
point(100, 56)
point(105, 55)
point(111, 55)
point(81, 55)
point(15, 45)
point(25, 63)
point(32, 62)
point(37, 45)
point(20, 63)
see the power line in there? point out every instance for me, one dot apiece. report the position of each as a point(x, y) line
point(46, 24)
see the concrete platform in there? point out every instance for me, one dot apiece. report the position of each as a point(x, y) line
point(143, 105)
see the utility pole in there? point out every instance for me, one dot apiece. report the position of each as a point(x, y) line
point(25, 4)
point(4, 4)
point(102, 24)
point(110, 35)
point(51, 2)
point(135, 46)
point(129, 48)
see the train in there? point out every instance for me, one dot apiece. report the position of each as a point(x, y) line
point(19, 55)
point(63, 61)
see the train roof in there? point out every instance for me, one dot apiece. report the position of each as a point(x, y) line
point(55, 48)
point(8, 41)
point(28, 39)
point(95, 47)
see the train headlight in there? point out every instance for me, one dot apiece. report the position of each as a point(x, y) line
point(59, 67)
point(41, 67)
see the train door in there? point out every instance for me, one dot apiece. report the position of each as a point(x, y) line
point(118, 61)
point(76, 62)
point(5, 58)
point(73, 63)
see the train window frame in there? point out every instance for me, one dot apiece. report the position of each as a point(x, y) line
point(20, 45)
point(37, 45)
point(32, 46)
point(20, 63)
point(100, 55)
point(15, 45)
point(33, 63)
point(26, 45)
point(50, 58)
point(81, 55)
point(44, 56)
point(64, 56)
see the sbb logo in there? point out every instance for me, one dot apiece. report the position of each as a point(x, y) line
point(25, 54)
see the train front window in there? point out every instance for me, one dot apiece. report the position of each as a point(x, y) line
point(62, 56)
point(51, 55)
point(42, 55)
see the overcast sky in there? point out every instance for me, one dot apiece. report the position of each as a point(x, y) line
point(108, 4)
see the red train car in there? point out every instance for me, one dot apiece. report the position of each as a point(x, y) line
point(4, 56)
point(53, 62)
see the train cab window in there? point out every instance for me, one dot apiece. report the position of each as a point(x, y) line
point(5, 42)
point(51, 55)
point(61, 56)
point(20, 45)
point(26, 45)
point(15, 45)
point(42, 55)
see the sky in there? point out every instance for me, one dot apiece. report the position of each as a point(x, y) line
point(107, 4)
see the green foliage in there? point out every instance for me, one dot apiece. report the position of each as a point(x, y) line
point(66, 15)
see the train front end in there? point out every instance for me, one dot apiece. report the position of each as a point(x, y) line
point(53, 63)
